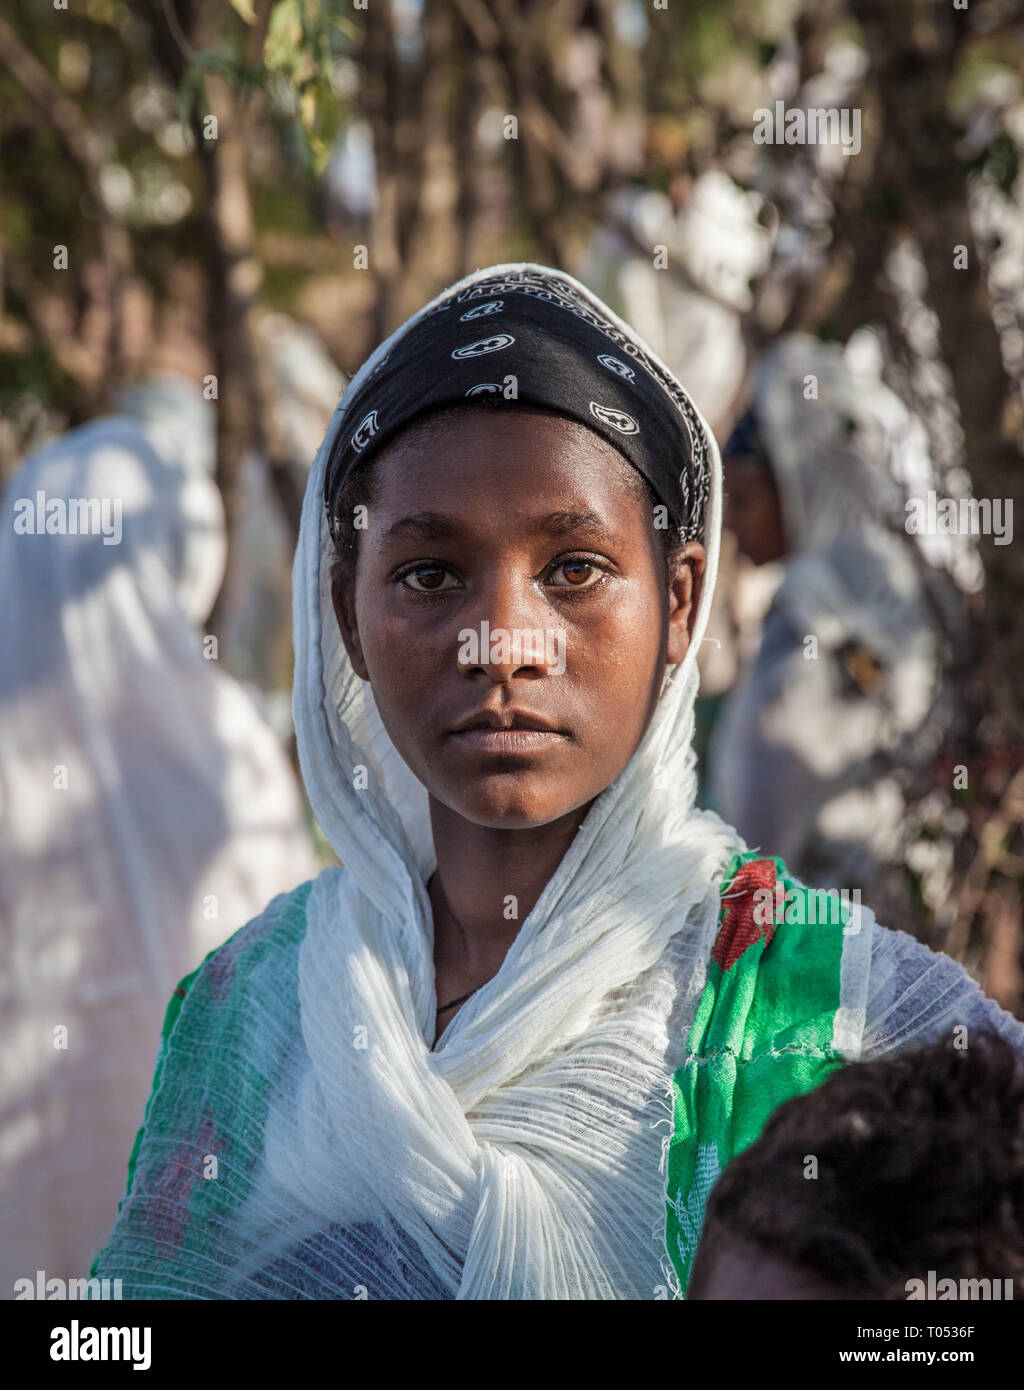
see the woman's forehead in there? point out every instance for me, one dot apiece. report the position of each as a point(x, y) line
point(519, 452)
point(531, 474)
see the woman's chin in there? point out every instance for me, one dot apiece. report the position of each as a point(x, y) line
point(500, 806)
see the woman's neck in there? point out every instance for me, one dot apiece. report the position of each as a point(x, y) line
point(487, 883)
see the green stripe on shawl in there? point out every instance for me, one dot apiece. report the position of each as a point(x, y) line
point(237, 1054)
point(762, 1033)
point(170, 1019)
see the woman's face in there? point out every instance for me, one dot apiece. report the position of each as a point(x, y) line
point(510, 574)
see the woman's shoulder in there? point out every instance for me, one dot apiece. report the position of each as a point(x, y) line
point(894, 990)
point(226, 1030)
point(227, 971)
point(281, 924)
point(275, 934)
point(761, 900)
point(919, 995)
point(265, 949)
point(788, 961)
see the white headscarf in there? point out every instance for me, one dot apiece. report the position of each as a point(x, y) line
point(511, 1155)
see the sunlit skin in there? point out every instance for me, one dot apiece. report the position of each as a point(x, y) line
point(753, 510)
point(531, 522)
point(742, 1270)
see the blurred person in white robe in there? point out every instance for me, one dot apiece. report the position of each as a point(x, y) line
point(843, 703)
point(147, 808)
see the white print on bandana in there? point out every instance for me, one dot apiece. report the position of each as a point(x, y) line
point(367, 429)
point(518, 282)
point(482, 388)
point(493, 306)
point(614, 365)
point(482, 345)
point(618, 419)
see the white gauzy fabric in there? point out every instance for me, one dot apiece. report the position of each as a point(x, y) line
point(918, 995)
point(146, 809)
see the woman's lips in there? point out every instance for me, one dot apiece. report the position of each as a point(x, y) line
point(490, 740)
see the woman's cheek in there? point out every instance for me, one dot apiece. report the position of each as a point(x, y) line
point(400, 651)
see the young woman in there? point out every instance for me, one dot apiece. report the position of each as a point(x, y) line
point(501, 1052)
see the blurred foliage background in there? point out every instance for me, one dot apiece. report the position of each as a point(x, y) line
point(224, 171)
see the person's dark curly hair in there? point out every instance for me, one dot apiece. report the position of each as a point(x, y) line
point(920, 1166)
point(358, 490)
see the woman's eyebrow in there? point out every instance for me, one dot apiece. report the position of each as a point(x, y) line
point(423, 526)
point(561, 523)
point(438, 526)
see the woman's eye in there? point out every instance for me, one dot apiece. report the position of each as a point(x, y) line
point(579, 574)
point(429, 579)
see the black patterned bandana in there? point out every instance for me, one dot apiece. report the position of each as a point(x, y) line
point(528, 335)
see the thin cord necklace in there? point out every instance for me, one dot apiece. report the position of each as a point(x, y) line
point(443, 1009)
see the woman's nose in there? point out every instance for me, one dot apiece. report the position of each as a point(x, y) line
point(510, 632)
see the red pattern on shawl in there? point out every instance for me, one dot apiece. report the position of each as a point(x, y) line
point(219, 969)
point(172, 1187)
point(740, 927)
